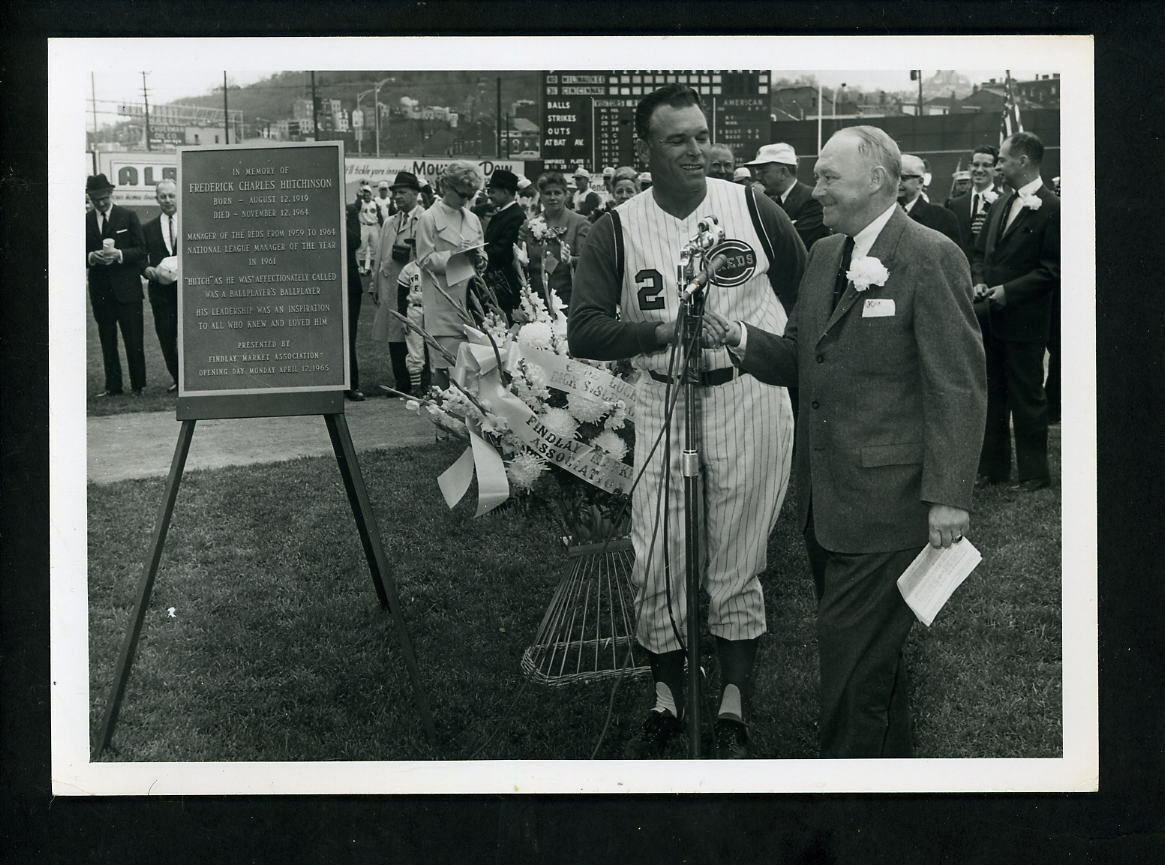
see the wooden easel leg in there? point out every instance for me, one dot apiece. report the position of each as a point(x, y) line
point(149, 570)
point(374, 551)
point(358, 497)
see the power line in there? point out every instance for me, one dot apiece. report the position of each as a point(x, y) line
point(146, 101)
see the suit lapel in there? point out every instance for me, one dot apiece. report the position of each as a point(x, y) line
point(793, 202)
point(883, 250)
point(996, 214)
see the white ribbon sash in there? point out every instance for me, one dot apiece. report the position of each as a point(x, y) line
point(476, 371)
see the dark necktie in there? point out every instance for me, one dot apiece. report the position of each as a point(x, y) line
point(173, 249)
point(974, 204)
point(839, 283)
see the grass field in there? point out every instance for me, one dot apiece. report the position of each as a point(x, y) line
point(277, 649)
point(373, 359)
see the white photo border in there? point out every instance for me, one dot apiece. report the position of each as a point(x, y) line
point(70, 62)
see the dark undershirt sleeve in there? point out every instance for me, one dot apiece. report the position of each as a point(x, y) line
point(593, 330)
point(788, 252)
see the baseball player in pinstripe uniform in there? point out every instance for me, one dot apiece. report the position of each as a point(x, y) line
point(625, 304)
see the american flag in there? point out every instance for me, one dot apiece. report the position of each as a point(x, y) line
point(1009, 121)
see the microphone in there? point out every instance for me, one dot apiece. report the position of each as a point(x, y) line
point(705, 276)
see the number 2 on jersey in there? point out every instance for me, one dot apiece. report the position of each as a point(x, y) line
point(650, 292)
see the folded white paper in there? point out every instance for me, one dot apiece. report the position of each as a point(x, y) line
point(933, 576)
point(460, 267)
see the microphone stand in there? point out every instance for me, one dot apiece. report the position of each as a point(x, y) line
point(692, 297)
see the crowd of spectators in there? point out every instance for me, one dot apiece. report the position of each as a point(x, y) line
point(514, 228)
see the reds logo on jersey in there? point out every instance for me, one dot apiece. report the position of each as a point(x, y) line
point(741, 263)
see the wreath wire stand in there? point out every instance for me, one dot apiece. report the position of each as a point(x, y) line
point(587, 632)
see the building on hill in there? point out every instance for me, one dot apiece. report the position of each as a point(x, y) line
point(990, 96)
point(1044, 89)
point(794, 103)
point(941, 105)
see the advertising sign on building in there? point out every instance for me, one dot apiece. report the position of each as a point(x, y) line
point(425, 168)
point(135, 174)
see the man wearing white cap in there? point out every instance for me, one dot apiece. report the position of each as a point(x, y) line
point(742, 176)
point(384, 201)
point(960, 185)
point(608, 191)
point(585, 200)
point(776, 167)
point(370, 220)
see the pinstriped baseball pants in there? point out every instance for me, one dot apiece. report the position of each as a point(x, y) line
point(746, 450)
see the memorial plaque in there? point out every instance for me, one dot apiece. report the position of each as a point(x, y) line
point(263, 271)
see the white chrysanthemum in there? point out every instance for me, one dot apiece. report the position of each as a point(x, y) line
point(617, 418)
point(609, 441)
point(560, 421)
point(535, 335)
point(524, 469)
point(586, 408)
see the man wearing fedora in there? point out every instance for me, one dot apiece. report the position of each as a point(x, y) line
point(398, 246)
point(775, 166)
point(501, 233)
point(115, 251)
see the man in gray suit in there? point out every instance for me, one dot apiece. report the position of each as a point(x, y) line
point(885, 349)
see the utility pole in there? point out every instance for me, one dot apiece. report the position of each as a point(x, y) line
point(498, 120)
point(146, 98)
point(226, 114)
point(93, 98)
point(315, 108)
point(819, 86)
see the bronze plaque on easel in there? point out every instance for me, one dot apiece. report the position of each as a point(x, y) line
point(263, 332)
point(263, 296)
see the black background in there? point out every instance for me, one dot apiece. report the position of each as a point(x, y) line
point(1123, 823)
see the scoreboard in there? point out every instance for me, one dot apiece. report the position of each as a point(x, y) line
point(588, 117)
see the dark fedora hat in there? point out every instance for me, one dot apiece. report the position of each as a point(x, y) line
point(98, 183)
point(406, 179)
point(503, 178)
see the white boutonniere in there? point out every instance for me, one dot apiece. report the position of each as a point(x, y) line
point(866, 271)
point(990, 196)
point(1031, 201)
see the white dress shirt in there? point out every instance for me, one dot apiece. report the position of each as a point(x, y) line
point(1017, 202)
point(863, 242)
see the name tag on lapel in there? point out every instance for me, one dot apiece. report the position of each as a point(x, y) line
point(878, 307)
